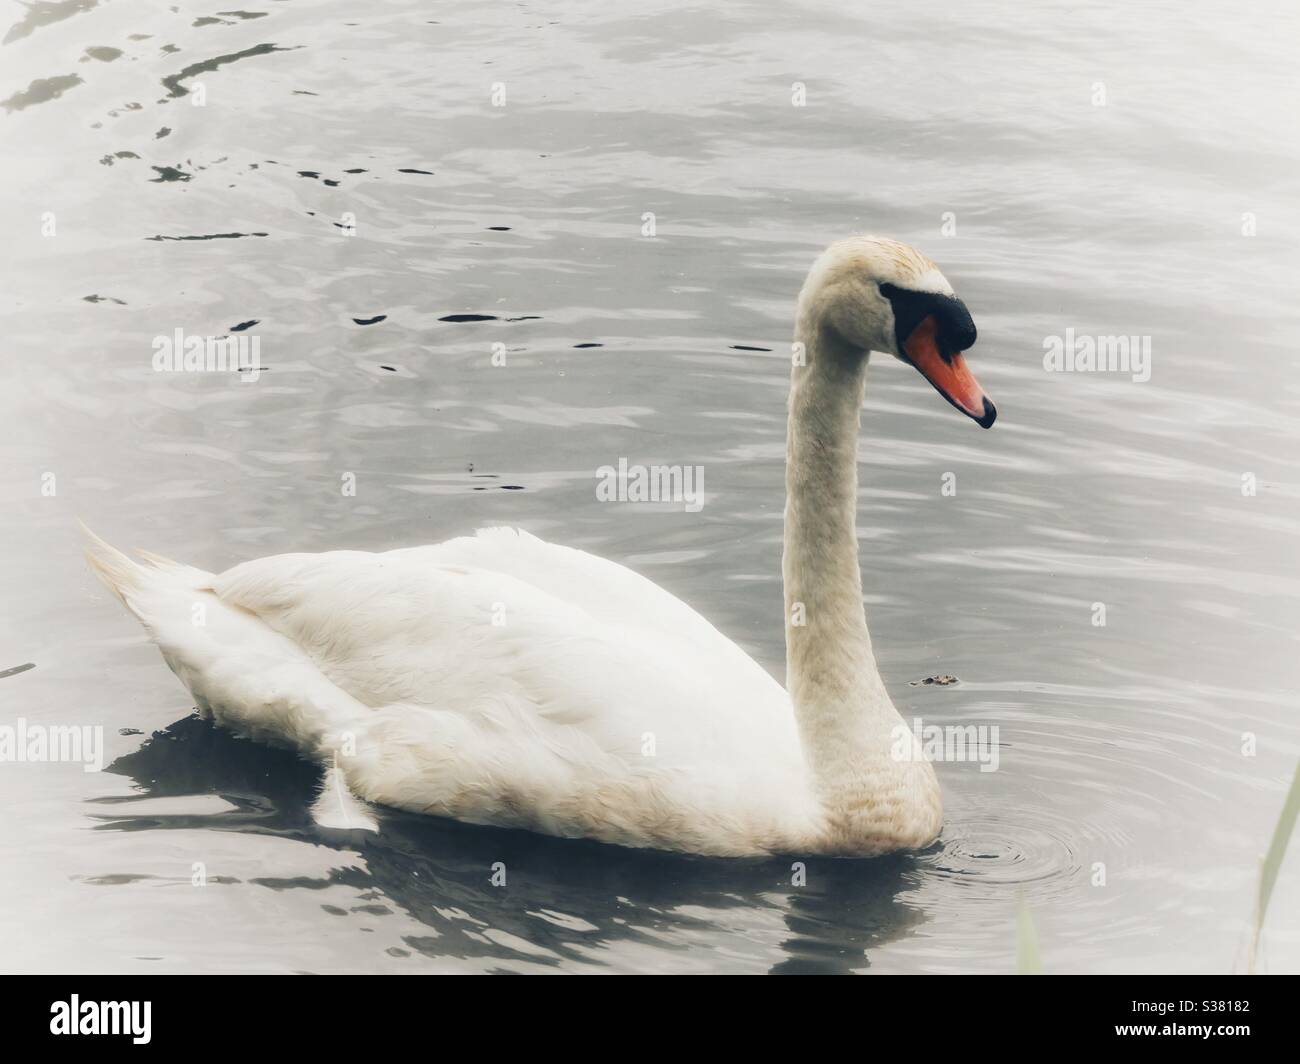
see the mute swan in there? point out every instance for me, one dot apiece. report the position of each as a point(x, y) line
point(603, 707)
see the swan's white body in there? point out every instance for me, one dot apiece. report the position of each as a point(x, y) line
point(499, 679)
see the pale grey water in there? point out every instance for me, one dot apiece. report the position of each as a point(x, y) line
point(1120, 745)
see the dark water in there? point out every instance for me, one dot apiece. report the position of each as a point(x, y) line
point(1120, 745)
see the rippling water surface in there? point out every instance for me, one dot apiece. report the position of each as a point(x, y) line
point(194, 168)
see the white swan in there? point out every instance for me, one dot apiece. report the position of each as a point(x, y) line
point(603, 707)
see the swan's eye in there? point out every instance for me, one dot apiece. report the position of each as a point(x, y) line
point(955, 331)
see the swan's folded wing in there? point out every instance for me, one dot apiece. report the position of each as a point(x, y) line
point(393, 627)
point(607, 591)
point(406, 627)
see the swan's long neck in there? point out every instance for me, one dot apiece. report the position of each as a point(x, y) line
point(845, 717)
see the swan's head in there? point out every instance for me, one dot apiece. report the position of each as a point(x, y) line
point(877, 294)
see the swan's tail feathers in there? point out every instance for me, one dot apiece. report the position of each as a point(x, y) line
point(250, 677)
point(337, 807)
point(158, 561)
point(120, 574)
point(139, 586)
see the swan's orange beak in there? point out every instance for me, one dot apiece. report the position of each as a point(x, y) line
point(950, 376)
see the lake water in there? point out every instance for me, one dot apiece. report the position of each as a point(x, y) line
point(311, 166)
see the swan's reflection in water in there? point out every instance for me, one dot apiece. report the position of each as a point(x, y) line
point(569, 904)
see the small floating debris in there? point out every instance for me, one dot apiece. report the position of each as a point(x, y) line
point(168, 173)
point(244, 325)
point(577, 346)
point(746, 347)
point(104, 299)
point(412, 170)
point(937, 681)
point(314, 174)
point(527, 317)
point(17, 669)
point(164, 132)
point(391, 369)
point(370, 321)
point(129, 731)
point(470, 317)
point(357, 170)
point(499, 228)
